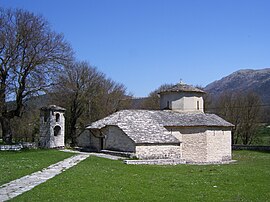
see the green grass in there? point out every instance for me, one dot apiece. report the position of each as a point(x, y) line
point(16, 164)
point(263, 137)
point(97, 179)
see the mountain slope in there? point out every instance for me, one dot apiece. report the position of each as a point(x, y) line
point(257, 81)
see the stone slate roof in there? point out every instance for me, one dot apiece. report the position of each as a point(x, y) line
point(148, 126)
point(54, 108)
point(178, 119)
point(180, 87)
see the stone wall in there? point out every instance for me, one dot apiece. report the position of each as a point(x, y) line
point(113, 139)
point(218, 145)
point(182, 101)
point(58, 140)
point(44, 137)
point(203, 144)
point(158, 152)
point(193, 143)
point(48, 122)
point(84, 139)
point(88, 140)
point(19, 146)
point(10, 147)
point(194, 146)
point(95, 143)
point(116, 139)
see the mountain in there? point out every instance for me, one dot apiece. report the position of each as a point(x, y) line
point(244, 80)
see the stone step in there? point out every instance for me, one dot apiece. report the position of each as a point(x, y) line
point(119, 153)
point(156, 162)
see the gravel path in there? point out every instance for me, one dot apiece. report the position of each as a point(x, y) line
point(101, 155)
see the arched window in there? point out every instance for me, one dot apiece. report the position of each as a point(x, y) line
point(57, 130)
point(198, 105)
point(57, 117)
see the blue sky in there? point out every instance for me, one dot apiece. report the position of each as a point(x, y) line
point(146, 43)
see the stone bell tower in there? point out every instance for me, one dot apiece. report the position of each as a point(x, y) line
point(52, 127)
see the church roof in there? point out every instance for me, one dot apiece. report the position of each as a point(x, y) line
point(148, 126)
point(181, 87)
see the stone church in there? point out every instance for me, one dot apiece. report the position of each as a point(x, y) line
point(179, 130)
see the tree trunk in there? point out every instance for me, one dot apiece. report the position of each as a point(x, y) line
point(73, 136)
point(72, 129)
point(6, 130)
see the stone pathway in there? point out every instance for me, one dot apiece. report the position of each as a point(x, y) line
point(102, 155)
point(26, 183)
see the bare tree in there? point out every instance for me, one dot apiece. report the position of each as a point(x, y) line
point(30, 55)
point(152, 101)
point(243, 111)
point(74, 88)
point(87, 95)
point(108, 97)
point(250, 118)
point(26, 128)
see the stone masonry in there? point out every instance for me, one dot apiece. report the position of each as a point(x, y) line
point(52, 127)
point(180, 130)
point(158, 152)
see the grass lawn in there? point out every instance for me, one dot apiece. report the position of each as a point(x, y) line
point(16, 164)
point(263, 136)
point(97, 179)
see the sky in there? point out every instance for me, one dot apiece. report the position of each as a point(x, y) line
point(146, 43)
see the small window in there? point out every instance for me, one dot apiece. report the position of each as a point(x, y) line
point(57, 117)
point(198, 105)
